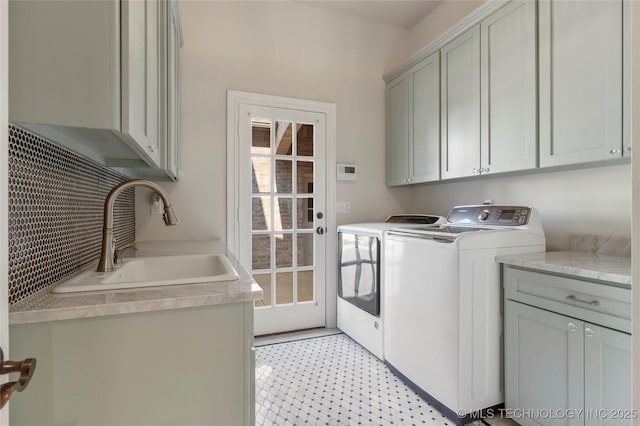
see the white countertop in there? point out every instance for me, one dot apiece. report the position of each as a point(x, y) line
point(614, 269)
point(45, 306)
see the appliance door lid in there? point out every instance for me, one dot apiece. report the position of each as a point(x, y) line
point(359, 271)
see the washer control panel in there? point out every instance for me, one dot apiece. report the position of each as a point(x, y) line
point(490, 215)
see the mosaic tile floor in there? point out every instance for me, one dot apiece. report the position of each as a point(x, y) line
point(332, 380)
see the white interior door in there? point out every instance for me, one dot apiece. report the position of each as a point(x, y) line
point(282, 217)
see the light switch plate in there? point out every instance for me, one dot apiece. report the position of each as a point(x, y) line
point(343, 207)
point(157, 207)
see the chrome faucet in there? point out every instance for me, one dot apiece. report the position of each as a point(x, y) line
point(106, 263)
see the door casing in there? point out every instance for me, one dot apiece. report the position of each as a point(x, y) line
point(234, 100)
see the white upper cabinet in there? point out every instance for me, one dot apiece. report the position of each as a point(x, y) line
point(581, 81)
point(460, 105)
point(413, 124)
point(171, 42)
point(424, 127)
point(508, 70)
point(92, 76)
point(140, 70)
point(398, 131)
point(523, 84)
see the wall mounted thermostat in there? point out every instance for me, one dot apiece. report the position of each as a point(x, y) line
point(347, 172)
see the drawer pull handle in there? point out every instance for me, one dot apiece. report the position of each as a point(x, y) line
point(586, 302)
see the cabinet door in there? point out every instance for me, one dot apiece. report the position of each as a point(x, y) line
point(460, 105)
point(175, 43)
point(580, 81)
point(398, 131)
point(170, 49)
point(543, 363)
point(64, 67)
point(607, 378)
point(424, 131)
point(509, 113)
point(140, 76)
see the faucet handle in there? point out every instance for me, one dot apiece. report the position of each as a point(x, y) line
point(119, 254)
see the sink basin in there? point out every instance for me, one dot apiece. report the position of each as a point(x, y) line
point(153, 272)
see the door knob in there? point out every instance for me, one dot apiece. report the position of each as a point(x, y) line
point(25, 368)
point(319, 230)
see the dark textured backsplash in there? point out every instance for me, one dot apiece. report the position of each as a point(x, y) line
point(56, 202)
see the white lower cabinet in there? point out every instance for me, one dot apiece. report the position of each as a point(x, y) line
point(607, 379)
point(189, 366)
point(561, 369)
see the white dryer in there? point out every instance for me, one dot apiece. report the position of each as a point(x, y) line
point(443, 298)
point(360, 302)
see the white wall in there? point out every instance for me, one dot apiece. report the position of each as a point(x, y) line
point(285, 49)
point(295, 50)
point(440, 20)
point(587, 201)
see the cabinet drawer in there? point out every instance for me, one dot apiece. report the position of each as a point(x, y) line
point(591, 301)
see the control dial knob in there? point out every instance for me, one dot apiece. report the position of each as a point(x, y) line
point(484, 215)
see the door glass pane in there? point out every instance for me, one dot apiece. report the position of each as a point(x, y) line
point(264, 281)
point(284, 250)
point(260, 136)
point(284, 287)
point(283, 214)
point(261, 213)
point(305, 286)
point(260, 251)
point(305, 249)
point(284, 138)
point(260, 175)
point(304, 144)
point(283, 177)
point(304, 213)
point(304, 181)
point(284, 206)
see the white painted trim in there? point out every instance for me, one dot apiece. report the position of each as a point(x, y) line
point(4, 165)
point(234, 100)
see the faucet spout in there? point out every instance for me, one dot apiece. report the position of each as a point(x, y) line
point(108, 246)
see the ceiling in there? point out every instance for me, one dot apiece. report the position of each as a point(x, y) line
point(398, 13)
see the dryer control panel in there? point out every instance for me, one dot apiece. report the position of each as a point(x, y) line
point(490, 215)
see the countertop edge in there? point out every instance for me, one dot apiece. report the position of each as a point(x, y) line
point(46, 315)
point(45, 306)
point(611, 269)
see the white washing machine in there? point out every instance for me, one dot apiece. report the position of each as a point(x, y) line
point(360, 277)
point(443, 297)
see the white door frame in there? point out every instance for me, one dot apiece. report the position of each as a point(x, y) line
point(234, 100)
point(4, 165)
